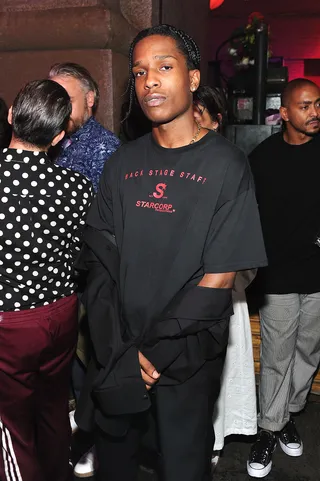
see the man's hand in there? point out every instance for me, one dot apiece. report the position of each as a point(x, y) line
point(148, 371)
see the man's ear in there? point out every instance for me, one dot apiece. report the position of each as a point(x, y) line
point(194, 76)
point(90, 99)
point(58, 138)
point(284, 114)
point(10, 115)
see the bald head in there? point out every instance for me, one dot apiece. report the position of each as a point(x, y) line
point(300, 110)
point(291, 87)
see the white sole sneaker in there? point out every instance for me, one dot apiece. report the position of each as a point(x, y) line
point(258, 472)
point(86, 475)
point(85, 468)
point(291, 451)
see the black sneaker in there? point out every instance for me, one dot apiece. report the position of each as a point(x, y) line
point(290, 441)
point(259, 463)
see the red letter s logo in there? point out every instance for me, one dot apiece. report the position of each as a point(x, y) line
point(160, 189)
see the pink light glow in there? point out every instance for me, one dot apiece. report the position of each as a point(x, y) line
point(215, 4)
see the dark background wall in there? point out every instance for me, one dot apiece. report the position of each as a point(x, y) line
point(192, 16)
point(34, 34)
point(95, 33)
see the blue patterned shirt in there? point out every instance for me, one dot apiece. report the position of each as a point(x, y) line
point(86, 150)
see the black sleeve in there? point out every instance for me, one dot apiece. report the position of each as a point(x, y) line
point(86, 202)
point(195, 309)
point(101, 213)
point(234, 241)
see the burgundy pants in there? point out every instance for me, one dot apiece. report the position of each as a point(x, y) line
point(36, 351)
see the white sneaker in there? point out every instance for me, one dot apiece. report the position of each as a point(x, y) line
point(85, 468)
point(73, 424)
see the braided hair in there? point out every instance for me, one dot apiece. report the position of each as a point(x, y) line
point(185, 44)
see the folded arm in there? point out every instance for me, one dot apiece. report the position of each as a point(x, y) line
point(213, 281)
point(218, 281)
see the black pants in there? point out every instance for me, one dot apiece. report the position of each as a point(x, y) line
point(184, 429)
point(78, 376)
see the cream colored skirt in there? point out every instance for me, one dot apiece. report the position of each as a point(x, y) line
point(236, 409)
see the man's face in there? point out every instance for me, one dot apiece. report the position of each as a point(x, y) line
point(163, 83)
point(302, 113)
point(80, 100)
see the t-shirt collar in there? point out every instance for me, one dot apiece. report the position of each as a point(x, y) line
point(178, 150)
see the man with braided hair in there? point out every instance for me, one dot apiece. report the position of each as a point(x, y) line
point(179, 204)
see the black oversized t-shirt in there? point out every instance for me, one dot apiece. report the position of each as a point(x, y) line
point(287, 187)
point(176, 215)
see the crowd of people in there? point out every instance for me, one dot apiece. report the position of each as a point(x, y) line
point(124, 266)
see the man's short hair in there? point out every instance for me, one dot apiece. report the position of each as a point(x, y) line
point(40, 112)
point(292, 86)
point(80, 73)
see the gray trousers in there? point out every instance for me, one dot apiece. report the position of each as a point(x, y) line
point(289, 357)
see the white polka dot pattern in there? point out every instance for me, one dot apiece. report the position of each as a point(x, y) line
point(42, 210)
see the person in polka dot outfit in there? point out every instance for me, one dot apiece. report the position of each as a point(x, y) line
point(42, 211)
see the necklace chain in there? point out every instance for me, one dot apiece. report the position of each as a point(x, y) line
point(196, 135)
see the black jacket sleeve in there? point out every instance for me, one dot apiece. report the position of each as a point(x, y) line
point(114, 386)
point(193, 329)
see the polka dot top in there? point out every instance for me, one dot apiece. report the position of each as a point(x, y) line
point(42, 210)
